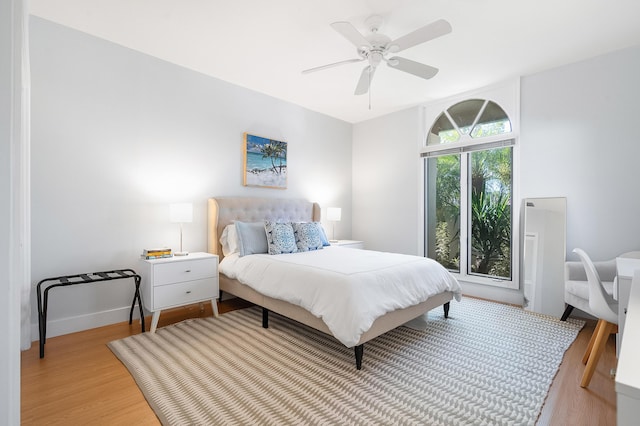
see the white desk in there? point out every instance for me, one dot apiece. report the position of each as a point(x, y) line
point(625, 267)
point(628, 370)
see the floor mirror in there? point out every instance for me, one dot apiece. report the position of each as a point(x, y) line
point(544, 254)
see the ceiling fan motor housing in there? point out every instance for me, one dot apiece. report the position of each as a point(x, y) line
point(377, 49)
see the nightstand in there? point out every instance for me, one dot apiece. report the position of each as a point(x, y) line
point(348, 244)
point(177, 281)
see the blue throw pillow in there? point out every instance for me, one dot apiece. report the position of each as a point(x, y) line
point(251, 238)
point(323, 235)
point(280, 238)
point(307, 236)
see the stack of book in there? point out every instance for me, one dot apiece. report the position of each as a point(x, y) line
point(156, 253)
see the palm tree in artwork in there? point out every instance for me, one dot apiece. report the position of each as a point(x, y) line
point(275, 150)
point(267, 152)
point(280, 150)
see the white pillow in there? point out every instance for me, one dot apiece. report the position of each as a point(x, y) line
point(229, 240)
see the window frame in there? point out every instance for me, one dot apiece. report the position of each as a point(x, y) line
point(507, 97)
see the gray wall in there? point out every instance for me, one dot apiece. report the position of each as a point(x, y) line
point(118, 135)
point(9, 288)
point(578, 140)
point(386, 182)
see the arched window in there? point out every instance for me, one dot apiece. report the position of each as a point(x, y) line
point(469, 210)
point(477, 118)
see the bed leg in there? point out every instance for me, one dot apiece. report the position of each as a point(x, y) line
point(446, 310)
point(265, 318)
point(566, 313)
point(359, 351)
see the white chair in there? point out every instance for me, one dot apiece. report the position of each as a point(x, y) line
point(603, 307)
point(576, 286)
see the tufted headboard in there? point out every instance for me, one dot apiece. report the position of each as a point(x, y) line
point(224, 210)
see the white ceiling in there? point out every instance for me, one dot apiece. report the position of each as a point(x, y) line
point(265, 44)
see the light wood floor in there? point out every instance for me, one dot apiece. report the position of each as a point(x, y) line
point(79, 381)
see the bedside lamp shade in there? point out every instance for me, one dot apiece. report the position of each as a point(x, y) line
point(334, 214)
point(181, 213)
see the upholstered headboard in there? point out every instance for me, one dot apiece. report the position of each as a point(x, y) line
point(224, 210)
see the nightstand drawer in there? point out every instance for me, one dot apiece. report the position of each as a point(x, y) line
point(184, 293)
point(187, 270)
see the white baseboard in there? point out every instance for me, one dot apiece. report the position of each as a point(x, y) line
point(69, 325)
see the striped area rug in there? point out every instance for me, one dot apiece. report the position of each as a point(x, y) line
point(488, 364)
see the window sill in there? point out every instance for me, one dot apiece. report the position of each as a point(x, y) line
point(510, 284)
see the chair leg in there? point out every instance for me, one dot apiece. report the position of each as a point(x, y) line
point(585, 358)
point(566, 313)
point(598, 346)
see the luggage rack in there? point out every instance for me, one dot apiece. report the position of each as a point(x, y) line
point(91, 277)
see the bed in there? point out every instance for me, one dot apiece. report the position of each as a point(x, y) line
point(225, 210)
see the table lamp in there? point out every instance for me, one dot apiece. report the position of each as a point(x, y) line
point(181, 213)
point(334, 214)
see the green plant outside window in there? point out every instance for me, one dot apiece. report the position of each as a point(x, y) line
point(469, 193)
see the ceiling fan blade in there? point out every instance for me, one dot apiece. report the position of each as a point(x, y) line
point(349, 32)
point(412, 67)
point(421, 35)
point(335, 64)
point(365, 80)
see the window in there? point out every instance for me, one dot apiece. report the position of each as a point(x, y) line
point(469, 213)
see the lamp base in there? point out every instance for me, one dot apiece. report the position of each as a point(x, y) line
point(181, 253)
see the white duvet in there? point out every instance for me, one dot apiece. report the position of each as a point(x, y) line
point(347, 288)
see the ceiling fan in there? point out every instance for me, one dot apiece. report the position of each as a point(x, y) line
point(375, 47)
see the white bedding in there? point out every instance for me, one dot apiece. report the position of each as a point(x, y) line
point(347, 288)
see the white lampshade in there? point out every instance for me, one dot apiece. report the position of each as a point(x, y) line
point(181, 212)
point(334, 214)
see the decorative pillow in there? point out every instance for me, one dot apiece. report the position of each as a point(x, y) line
point(251, 238)
point(323, 235)
point(307, 236)
point(229, 240)
point(280, 238)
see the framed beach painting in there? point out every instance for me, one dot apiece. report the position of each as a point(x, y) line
point(265, 162)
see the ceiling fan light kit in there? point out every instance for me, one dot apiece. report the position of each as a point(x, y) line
point(375, 46)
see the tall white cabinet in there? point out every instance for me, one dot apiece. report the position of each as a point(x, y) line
point(544, 254)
